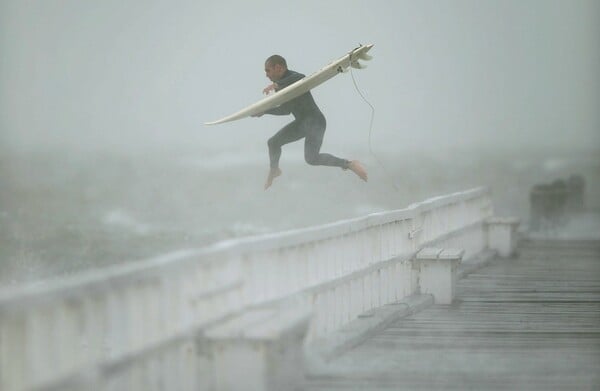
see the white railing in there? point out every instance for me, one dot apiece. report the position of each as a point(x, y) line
point(139, 321)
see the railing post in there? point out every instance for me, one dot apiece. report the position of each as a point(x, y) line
point(260, 350)
point(437, 272)
point(502, 235)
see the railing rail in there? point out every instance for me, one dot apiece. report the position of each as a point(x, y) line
point(58, 328)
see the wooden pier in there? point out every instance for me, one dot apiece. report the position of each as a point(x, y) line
point(530, 322)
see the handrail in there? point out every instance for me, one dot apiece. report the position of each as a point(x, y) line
point(115, 311)
point(119, 274)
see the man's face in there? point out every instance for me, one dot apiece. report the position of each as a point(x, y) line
point(274, 72)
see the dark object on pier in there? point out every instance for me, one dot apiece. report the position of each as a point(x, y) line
point(548, 205)
point(576, 186)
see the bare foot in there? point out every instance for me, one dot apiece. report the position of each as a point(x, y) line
point(273, 173)
point(358, 169)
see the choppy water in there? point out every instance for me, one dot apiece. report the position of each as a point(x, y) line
point(63, 211)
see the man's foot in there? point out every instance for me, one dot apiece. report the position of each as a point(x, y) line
point(358, 169)
point(273, 173)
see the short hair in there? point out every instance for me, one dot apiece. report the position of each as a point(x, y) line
point(276, 59)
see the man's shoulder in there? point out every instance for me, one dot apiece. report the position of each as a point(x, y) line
point(289, 78)
point(294, 73)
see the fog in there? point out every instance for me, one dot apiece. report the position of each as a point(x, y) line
point(104, 157)
point(122, 75)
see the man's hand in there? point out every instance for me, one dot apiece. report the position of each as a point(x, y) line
point(269, 88)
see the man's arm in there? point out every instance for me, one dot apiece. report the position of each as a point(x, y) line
point(280, 110)
point(283, 109)
point(284, 82)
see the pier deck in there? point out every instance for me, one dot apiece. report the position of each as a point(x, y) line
point(527, 323)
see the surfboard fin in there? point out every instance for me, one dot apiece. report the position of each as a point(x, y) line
point(357, 65)
point(365, 56)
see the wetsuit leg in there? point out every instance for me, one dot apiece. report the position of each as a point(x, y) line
point(314, 128)
point(289, 133)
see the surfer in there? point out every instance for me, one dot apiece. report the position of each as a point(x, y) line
point(309, 123)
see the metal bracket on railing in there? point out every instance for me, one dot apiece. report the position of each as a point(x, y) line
point(413, 233)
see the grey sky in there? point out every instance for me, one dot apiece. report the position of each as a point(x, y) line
point(445, 73)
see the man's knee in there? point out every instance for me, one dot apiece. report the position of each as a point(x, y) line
point(272, 143)
point(311, 158)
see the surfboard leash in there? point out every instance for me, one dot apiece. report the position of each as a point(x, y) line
point(385, 170)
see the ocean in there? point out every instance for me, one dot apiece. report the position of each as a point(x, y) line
point(63, 211)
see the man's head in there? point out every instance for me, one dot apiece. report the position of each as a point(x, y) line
point(275, 67)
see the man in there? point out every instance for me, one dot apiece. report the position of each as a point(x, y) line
point(309, 123)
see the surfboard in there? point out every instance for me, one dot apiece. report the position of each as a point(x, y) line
point(300, 87)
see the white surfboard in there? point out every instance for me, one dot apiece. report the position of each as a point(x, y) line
point(300, 87)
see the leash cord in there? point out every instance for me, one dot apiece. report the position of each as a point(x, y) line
point(385, 170)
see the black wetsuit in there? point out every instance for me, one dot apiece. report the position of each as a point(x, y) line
point(309, 123)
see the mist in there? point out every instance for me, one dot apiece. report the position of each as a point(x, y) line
point(105, 160)
point(139, 74)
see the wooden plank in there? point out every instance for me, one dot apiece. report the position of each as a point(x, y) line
point(429, 253)
point(528, 323)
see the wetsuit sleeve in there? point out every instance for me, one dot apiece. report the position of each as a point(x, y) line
point(290, 78)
